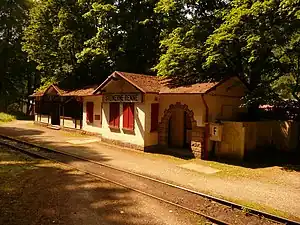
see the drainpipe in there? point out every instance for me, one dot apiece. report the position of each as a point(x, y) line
point(206, 134)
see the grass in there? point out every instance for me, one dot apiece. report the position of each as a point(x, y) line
point(4, 117)
point(253, 205)
point(264, 208)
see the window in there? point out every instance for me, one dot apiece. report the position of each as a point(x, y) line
point(89, 112)
point(154, 116)
point(114, 114)
point(128, 116)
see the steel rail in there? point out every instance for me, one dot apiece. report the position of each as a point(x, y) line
point(216, 199)
point(37, 155)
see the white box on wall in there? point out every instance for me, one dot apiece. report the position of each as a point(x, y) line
point(215, 131)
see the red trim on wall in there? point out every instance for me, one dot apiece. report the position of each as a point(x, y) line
point(90, 112)
point(154, 116)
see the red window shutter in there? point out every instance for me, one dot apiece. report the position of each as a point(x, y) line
point(131, 116)
point(114, 114)
point(125, 115)
point(154, 116)
point(90, 112)
point(128, 116)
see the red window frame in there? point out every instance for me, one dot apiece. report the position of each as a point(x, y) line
point(154, 116)
point(90, 112)
point(114, 115)
point(128, 116)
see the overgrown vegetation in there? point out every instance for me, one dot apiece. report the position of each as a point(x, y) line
point(4, 117)
point(79, 42)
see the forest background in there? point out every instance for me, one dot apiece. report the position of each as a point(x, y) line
point(80, 42)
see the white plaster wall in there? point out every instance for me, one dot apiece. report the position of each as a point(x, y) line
point(151, 138)
point(44, 119)
point(136, 137)
point(224, 102)
point(95, 127)
point(219, 107)
point(193, 101)
point(67, 122)
point(36, 117)
point(120, 86)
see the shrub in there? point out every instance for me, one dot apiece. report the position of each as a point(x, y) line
point(4, 117)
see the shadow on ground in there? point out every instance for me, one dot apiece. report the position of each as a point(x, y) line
point(182, 153)
point(288, 161)
point(37, 136)
point(40, 192)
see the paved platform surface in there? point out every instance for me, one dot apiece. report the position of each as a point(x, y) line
point(193, 175)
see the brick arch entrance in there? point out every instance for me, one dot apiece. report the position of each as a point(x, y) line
point(197, 132)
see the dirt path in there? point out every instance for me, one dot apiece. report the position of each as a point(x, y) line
point(40, 192)
point(263, 188)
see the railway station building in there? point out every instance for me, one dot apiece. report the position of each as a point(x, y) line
point(143, 112)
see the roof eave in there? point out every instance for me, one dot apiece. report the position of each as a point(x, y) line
point(129, 81)
point(103, 84)
point(223, 81)
point(181, 93)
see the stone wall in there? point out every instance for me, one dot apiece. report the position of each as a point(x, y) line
point(197, 142)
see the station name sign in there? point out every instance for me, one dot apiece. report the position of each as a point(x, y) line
point(131, 97)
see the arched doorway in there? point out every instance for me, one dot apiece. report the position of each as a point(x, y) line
point(176, 127)
point(179, 129)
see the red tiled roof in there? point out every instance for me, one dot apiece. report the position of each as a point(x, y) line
point(146, 83)
point(37, 94)
point(153, 84)
point(198, 88)
point(86, 91)
point(42, 92)
point(77, 92)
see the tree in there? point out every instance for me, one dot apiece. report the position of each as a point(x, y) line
point(188, 23)
point(79, 42)
point(127, 36)
point(16, 73)
point(257, 41)
point(54, 36)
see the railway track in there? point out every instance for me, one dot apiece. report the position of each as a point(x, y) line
point(216, 210)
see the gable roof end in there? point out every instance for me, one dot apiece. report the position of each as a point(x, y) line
point(144, 83)
point(223, 81)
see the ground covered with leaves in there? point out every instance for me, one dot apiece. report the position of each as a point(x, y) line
point(41, 192)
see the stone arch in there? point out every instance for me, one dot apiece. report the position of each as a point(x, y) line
point(197, 142)
point(164, 123)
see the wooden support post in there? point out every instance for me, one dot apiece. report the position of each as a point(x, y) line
point(63, 116)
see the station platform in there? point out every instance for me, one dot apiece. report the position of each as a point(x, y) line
point(263, 189)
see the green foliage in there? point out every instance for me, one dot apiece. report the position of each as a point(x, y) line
point(253, 42)
point(187, 26)
point(210, 40)
point(81, 42)
point(127, 36)
point(4, 117)
point(16, 74)
point(46, 82)
point(55, 34)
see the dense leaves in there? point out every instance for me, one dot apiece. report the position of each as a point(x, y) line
point(16, 75)
point(56, 33)
point(79, 42)
point(189, 24)
point(257, 40)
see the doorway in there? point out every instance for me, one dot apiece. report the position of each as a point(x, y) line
point(55, 115)
point(179, 129)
